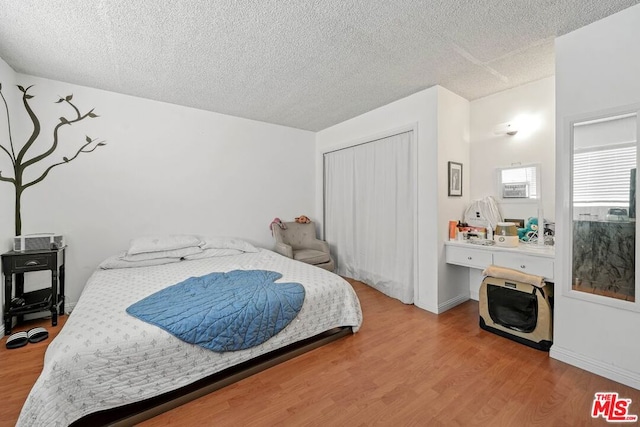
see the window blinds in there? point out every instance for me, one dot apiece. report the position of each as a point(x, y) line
point(603, 175)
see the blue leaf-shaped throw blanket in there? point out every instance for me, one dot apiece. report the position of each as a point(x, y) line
point(224, 311)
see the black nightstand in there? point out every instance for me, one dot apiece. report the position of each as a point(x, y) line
point(18, 302)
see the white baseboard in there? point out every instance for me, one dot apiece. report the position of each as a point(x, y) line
point(427, 307)
point(474, 295)
point(2, 330)
point(623, 376)
point(447, 305)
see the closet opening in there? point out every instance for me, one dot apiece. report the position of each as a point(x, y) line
point(370, 212)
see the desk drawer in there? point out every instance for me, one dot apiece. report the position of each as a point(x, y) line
point(32, 262)
point(527, 264)
point(474, 258)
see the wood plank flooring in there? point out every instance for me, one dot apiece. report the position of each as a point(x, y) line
point(20, 368)
point(404, 367)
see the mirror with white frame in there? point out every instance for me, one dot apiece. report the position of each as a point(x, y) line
point(519, 182)
point(603, 217)
point(519, 194)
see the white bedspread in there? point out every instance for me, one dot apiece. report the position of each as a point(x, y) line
point(104, 358)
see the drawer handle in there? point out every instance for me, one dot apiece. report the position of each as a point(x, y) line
point(523, 266)
point(469, 258)
point(32, 262)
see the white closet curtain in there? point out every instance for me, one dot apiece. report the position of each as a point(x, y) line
point(370, 212)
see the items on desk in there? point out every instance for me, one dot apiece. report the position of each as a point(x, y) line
point(530, 231)
point(483, 212)
point(461, 231)
point(453, 230)
point(477, 233)
point(506, 234)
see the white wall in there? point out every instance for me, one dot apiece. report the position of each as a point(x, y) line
point(422, 111)
point(7, 79)
point(166, 169)
point(453, 145)
point(12, 95)
point(532, 104)
point(597, 68)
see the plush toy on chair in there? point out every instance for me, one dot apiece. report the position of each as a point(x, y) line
point(298, 240)
point(302, 219)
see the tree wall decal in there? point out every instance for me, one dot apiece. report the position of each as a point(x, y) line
point(18, 154)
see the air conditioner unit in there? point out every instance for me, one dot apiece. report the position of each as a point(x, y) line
point(34, 242)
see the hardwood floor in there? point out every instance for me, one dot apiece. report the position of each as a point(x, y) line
point(21, 367)
point(404, 367)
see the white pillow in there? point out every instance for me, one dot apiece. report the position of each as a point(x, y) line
point(227, 243)
point(118, 262)
point(215, 252)
point(175, 253)
point(162, 243)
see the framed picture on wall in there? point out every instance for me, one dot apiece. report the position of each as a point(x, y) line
point(455, 179)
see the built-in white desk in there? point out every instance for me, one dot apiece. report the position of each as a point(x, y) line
point(528, 258)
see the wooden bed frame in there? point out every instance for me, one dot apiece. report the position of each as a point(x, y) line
point(136, 412)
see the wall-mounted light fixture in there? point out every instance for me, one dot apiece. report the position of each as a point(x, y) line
point(524, 124)
point(508, 128)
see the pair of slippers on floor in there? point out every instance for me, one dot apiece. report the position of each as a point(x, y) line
point(20, 339)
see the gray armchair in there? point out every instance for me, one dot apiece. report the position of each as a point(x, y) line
point(298, 241)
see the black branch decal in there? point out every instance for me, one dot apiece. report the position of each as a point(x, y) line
point(19, 156)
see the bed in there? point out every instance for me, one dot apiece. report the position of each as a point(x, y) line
point(104, 359)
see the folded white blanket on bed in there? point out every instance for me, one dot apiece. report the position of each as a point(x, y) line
point(145, 244)
point(118, 261)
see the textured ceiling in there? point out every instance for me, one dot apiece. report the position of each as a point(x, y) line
point(304, 64)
